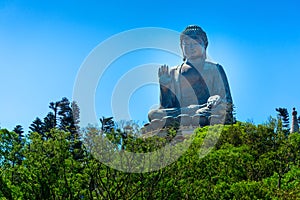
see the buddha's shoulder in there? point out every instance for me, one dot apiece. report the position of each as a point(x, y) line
point(175, 68)
point(208, 65)
point(180, 66)
point(211, 65)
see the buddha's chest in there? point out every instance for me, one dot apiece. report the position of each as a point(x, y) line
point(190, 76)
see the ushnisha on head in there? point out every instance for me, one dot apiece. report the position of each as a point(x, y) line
point(194, 32)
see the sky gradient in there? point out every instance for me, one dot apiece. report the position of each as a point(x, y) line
point(44, 43)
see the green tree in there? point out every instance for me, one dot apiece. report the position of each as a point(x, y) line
point(37, 126)
point(49, 123)
point(19, 130)
point(54, 106)
point(284, 116)
point(51, 169)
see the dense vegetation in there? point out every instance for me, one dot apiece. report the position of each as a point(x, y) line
point(247, 161)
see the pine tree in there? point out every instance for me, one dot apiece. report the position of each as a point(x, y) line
point(37, 126)
point(49, 123)
point(69, 121)
point(54, 106)
point(75, 114)
point(20, 142)
point(64, 115)
point(19, 130)
point(107, 124)
point(284, 116)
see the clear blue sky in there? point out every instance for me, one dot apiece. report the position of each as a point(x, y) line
point(44, 43)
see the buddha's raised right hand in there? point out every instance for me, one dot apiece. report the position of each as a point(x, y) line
point(164, 75)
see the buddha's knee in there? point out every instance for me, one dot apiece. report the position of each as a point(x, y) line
point(156, 114)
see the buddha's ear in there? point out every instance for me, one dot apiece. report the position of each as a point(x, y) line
point(184, 57)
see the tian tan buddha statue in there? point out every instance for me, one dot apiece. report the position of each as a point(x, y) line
point(195, 92)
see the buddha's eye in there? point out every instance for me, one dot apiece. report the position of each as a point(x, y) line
point(192, 43)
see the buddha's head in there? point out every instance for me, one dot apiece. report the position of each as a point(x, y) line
point(195, 32)
point(193, 42)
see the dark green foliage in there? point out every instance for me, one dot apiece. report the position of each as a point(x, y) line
point(284, 116)
point(238, 161)
point(54, 107)
point(49, 123)
point(37, 126)
point(19, 130)
point(107, 124)
point(64, 115)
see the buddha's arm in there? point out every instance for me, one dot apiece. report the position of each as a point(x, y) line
point(221, 85)
point(166, 97)
point(167, 91)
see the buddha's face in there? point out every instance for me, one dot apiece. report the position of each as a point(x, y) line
point(192, 49)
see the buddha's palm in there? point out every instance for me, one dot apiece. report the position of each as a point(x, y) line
point(164, 75)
